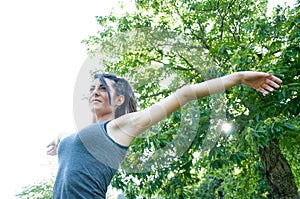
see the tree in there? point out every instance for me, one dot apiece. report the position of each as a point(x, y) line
point(191, 41)
point(39, 190)
point(43, 190)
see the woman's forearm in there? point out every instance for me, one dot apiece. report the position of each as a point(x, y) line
point(209, 87)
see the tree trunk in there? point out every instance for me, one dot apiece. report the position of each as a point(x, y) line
point(278, 172)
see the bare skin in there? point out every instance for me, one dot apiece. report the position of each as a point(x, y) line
point(124, 129)
point(99, 101)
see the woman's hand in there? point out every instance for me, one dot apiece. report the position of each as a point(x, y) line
point(52, 147)
point(260, 81)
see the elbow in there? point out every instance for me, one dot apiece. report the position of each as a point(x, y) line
point(186, 94)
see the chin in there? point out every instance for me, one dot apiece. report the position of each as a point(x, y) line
point(94, 109)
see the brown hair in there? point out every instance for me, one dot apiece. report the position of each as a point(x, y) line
point(122, 87)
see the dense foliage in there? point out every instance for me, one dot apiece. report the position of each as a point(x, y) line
point(39, 190)
point(192, 41)
point(164, 45)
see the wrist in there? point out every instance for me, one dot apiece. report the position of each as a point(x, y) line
point(233, 78)
point(237, 77)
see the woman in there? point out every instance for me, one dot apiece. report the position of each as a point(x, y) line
point(89, 159)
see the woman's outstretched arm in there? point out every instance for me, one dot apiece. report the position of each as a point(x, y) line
point(124, 129)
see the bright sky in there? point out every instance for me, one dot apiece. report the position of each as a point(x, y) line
point(41, 56)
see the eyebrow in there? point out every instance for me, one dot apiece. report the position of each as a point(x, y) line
point(94, 86)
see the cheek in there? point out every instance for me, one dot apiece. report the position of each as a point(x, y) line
point(104, 96)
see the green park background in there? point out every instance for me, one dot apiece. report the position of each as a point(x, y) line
point(188, 42)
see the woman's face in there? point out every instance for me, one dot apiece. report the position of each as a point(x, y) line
point(99, 99)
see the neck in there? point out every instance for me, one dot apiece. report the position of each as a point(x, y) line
point(103, 118)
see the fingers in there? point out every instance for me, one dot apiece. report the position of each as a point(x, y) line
point(52, 148)
point(52, 151)
point(273, 81)
point(276, 79)
point(262, 90)
point(269, 85)
point(267, 88)
point(51, 143)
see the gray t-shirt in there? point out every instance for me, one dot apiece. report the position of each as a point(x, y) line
point(87, 162)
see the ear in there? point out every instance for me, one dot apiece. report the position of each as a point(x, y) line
point(120, 100)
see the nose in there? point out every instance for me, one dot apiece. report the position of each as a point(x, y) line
point(95, 91)
point(93, 94)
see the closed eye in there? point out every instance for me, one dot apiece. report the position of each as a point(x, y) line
point(92, 88)
point(101, 88)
